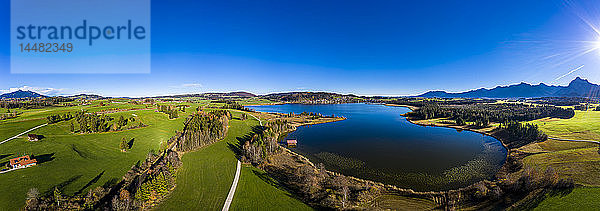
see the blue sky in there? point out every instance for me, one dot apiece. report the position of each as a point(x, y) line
point(361, 47)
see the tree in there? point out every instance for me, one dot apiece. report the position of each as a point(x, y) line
point(460, 121)
point(57, 196)
point(123, 146)
point(341, 183)
point(32, 193)
point(121, 122)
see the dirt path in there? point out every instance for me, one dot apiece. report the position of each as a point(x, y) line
point(588, 141)
point(20, 134)
point(233, 187)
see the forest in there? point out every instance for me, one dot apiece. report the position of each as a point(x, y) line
point(263, 142)
point(520, 134)
point(486, 113)
point(33, 103)
point(229, 104)
point(168, 110)
point(202, 129)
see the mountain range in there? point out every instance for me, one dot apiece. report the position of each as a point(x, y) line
point(30, 94)
point(577, 88)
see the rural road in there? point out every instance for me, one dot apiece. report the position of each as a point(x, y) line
point(259, 121)
point(233, 187)
point(9, 170)
point(589, 141)
point(20, 134)
point(235, 179)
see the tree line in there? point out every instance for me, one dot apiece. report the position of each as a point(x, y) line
point(229, 104)
point(202, 129)
point(54, 118)
point(485, 113)
point(263, 142)
point(168, 110)
point(33, 103)
point(520, 134)
point(9, 115)
point(94, 123)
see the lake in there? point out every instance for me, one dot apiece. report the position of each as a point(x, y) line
point(376, 143)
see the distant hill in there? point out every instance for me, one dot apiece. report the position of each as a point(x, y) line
point(308, 96)
point(86, 97)
point(215, 95)
point(20, 94)
point(577, 88)
point(240, 94)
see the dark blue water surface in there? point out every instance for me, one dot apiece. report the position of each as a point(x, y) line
point(375, 142)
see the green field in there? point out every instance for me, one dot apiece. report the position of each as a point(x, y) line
point(75, 162)
point(257, 191)
point(396, 202)
point(584, 125)
point(583, 165)
point(585, 198)
point(254, 101)
point(576, 160)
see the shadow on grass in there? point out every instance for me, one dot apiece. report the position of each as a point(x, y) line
point(43, 158)
point(79, 152)
point(236, 148)
point(539, 198)
point(111, 182)
point(268, 179)
point(258, 129)
point(130, 143)
point(264, 176)
point(61, 186)
point(561, 192)
point(5, 155)
point(3, 164)
point(91, 182)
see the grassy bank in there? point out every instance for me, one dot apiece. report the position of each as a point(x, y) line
point(258, 191)
point(584, 125)
point(580, 161)
point(584, 198)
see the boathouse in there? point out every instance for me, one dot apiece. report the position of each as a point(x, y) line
point(292, 142)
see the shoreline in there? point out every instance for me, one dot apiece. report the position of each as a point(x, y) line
point(486, 133)
point(412, 108)
point(390, 186)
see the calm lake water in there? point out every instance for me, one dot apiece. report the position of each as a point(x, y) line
point(377, 143)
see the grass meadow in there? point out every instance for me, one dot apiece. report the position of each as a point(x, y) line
point(258, 191)
point(576, 160)
point(75, 162)
point(207, 174)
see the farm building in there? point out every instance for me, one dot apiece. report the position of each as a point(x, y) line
point(22, 162)
point(33, 137)
point(292, 143)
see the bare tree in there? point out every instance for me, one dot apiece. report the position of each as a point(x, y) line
point(32, 193)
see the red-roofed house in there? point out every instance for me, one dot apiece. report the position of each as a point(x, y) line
point(292, 142)
point(22, 162)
